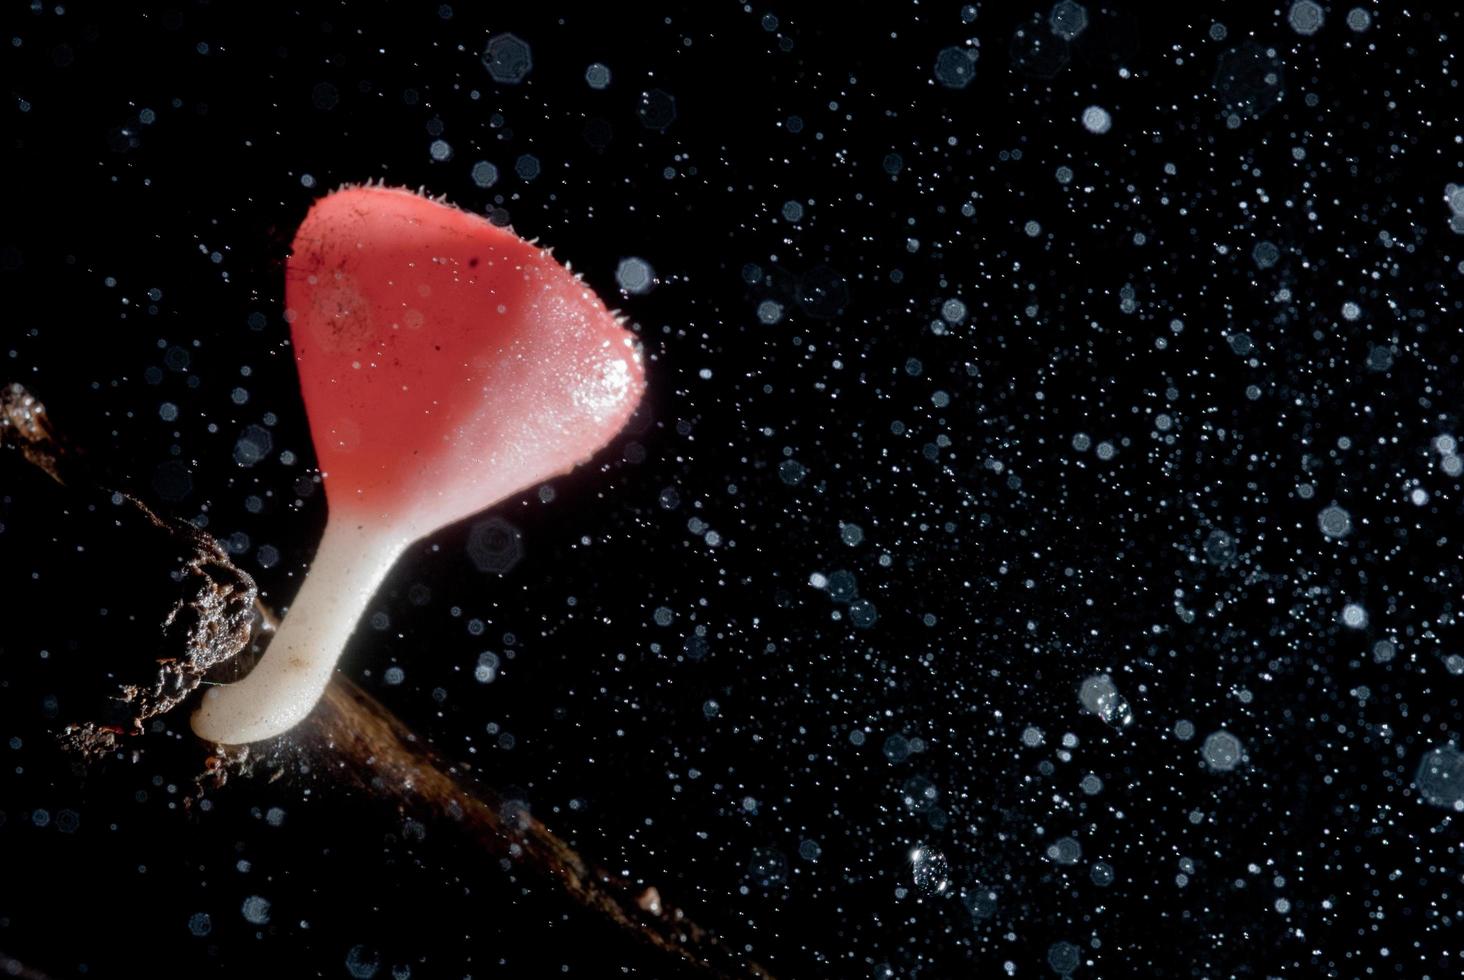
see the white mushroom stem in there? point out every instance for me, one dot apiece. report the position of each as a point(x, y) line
point(291, 676)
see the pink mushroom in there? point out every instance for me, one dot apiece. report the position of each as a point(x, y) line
point(446, 364)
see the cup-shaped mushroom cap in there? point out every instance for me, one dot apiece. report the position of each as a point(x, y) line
point(445, 362)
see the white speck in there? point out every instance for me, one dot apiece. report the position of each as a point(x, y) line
point(1100, 695)
point(597, 76)
point(363, 963)
point(485, 174)
point(1068, 19)
point(1334, 521)
point(256, 909)
point(1222, 751)
point(1096, 119)
point(635, 275)
point(930, 870)
point(1305, 17)
point(1454, 194)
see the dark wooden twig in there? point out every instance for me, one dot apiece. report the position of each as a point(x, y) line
point(210, 616)
point(370, 747)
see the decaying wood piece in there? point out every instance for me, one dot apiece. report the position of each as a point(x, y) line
point(208, 614)
point(188, 608)
point(374, 750)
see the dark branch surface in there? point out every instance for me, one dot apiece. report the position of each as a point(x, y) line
point(177, 608)
point(174, 606)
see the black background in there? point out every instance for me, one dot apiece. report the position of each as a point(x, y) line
point(1005, 564)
